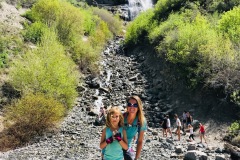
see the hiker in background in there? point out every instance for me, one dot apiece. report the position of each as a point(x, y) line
point(114, 137)
point(202, 132)
point(191, 132)
point(135, 124)
point(184, 120)
point(178, 123)
point(189, 118)
point(164, 125)
point(168, 126)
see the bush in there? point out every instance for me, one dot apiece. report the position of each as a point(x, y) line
point(30, 116)
point(139, 28)
point(70, 23)
point(113, 22)
point(45, 11)
point(235, 127)
point(47, 70)
point(34, 32)
point(83, 34)
point(229, 24)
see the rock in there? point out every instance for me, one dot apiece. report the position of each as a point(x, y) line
point(220, 157)
point(179, 149)
point(191, 147)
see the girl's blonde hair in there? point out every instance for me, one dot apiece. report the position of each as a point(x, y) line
point(140, 112)
point(114, 110)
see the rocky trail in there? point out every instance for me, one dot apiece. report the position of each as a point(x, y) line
point(78, 137)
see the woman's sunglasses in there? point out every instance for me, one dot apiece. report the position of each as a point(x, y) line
point(135, 105)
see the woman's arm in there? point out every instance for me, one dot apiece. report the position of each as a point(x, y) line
point(124, 142)
point(140, 144)
point(103, 142)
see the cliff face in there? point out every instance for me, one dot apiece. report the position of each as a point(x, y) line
point(169, 88)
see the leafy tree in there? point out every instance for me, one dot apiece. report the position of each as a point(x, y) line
point(46, 70)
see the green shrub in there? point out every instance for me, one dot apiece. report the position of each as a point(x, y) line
point(84, 55)
point(229, 24)
point(113, 22)
point(236, 97)
point(139, 28)
point(47, 70)
point(32, 115)
point(70, 23)
point(45, 11)
point(34, 32)
point(163, 8)
point(82, 33)
point(235, 127)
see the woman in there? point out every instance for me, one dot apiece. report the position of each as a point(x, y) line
point(168, 125)
point(134, 122)
point(178, 123)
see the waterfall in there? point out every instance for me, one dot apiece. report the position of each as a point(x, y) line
point(136, 6)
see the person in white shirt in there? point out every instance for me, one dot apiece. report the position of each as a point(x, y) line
point(168, 125)
point(178, 123)
point(191, 132)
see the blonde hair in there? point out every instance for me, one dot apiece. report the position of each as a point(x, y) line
point(114, 110)
point(140, 112)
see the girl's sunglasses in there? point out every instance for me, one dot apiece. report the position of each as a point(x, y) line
point(135, 105)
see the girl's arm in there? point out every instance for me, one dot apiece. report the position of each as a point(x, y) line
point(124, 142)
point(103, 142)
point(140, 144)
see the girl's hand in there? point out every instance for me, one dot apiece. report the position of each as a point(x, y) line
point(109, 140)
point(118, 137)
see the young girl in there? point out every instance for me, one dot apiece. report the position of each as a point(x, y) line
point(191, 132)
point(202, 132)
point(114, 138)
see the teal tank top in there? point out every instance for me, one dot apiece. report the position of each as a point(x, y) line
point(114, 150)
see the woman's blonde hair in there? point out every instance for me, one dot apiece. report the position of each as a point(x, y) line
point(111, 111)
point(140, 112)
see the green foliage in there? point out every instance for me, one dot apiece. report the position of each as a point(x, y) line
point(34, 32)
point(220, 5)
point(30, 116)
point(37, 111)
point(113, 22)
point(100, 36)
point(236, 97)
point(137, 30)
point(82, 33)
point(235, 128)
point(46, 70)
point(182, 44)
point(70, 23)
point(158, 33)
point(164, 7)
point(45, 11)
point(229, 24)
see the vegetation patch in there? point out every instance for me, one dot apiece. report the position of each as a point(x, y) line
point(32, 115)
